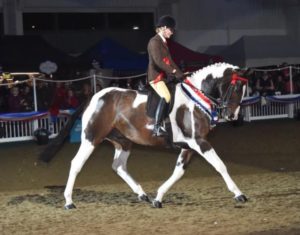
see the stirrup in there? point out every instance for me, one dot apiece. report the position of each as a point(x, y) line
point(159, 131)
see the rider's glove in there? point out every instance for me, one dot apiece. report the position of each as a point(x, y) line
point(178, 74)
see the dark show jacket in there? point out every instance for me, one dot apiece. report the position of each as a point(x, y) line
point(160, 62)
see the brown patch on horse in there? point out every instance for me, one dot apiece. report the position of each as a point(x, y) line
point(119, 140)
point(102, 121)
point(183, 114)
point(204, 145)
point(186, 158)
point(202, 122)
point(131, 122)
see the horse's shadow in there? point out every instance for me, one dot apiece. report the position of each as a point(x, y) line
point(55, 197)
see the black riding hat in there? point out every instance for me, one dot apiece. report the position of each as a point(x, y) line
point(167, 21)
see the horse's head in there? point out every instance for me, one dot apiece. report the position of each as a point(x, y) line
point(231, 90)
point(224, 84)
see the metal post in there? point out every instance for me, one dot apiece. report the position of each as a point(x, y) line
point(291, 80)
point(247, 89)
point(34, 95)
point(94, 83)
point(35, 122)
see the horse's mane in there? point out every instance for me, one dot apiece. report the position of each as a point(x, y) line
point(215, 70)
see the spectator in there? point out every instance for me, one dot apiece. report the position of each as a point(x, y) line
point(290, 88)
point(128, 84)
point(71, 101)
point(14, 100)
point(59, 96)
point(44, 95)
point(98, 87)
point(4, 93)
point(86, 92)
point(265, 85)
point(27, 99)
point(279, 85)
point(58, 100)
point(297, 83)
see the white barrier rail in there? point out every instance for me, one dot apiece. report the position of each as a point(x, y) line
point(22, 130)
point(269, 109)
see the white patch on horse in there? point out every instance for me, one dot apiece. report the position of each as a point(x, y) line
point(180, 100)
point(139, 99)
point(193, 122)
point(150, 126)
point(95, 105)
point(216, 70)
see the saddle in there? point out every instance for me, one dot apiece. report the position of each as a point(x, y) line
point(153, 99)
point(152, 102)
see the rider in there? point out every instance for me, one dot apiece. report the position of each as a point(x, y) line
point(161, 66)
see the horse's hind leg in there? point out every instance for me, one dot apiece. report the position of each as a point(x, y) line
point(122, 152)
point(206, 150)
point(182, 162)
point(85, 150)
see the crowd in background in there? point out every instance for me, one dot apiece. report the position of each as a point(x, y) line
point(274, 82)
point(53, 96)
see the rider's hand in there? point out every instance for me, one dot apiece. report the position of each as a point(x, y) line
point(179, 75)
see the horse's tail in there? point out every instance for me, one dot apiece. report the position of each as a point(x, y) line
point(55, 144)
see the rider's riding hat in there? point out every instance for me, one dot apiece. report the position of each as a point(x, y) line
point(167, 21)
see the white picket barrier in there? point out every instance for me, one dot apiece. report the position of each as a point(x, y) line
point(22, 130)
point(267, 108)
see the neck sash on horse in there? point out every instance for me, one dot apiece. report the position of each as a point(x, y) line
point(202, 101)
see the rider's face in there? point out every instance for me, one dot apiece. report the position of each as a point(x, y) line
point(167, 32)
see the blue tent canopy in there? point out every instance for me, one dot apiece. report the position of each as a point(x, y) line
point(112, 55)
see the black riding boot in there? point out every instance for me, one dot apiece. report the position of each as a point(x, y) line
point(158, 130)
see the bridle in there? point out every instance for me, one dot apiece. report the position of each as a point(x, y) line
point(224, 101)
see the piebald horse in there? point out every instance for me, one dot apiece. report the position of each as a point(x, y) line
point(119, 116)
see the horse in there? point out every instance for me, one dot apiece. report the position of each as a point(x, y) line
point(119, 116)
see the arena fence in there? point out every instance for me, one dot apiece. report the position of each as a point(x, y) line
point(22, 128)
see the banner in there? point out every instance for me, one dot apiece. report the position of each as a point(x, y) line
point(26, 116)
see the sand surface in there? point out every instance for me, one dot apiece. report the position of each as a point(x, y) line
point(263, 159)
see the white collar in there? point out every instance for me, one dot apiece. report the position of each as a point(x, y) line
point(162, 37)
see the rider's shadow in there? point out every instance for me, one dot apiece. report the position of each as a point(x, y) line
point(55, 197)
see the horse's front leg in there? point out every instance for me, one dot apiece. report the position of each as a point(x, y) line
point(207, 151)
point(182, 161)
point(85, 150)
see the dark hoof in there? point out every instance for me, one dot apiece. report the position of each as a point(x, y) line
point(242, 198)
point(144, 198)
point(156, 204)
point(69, 207)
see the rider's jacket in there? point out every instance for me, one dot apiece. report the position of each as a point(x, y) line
point(160, 62)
